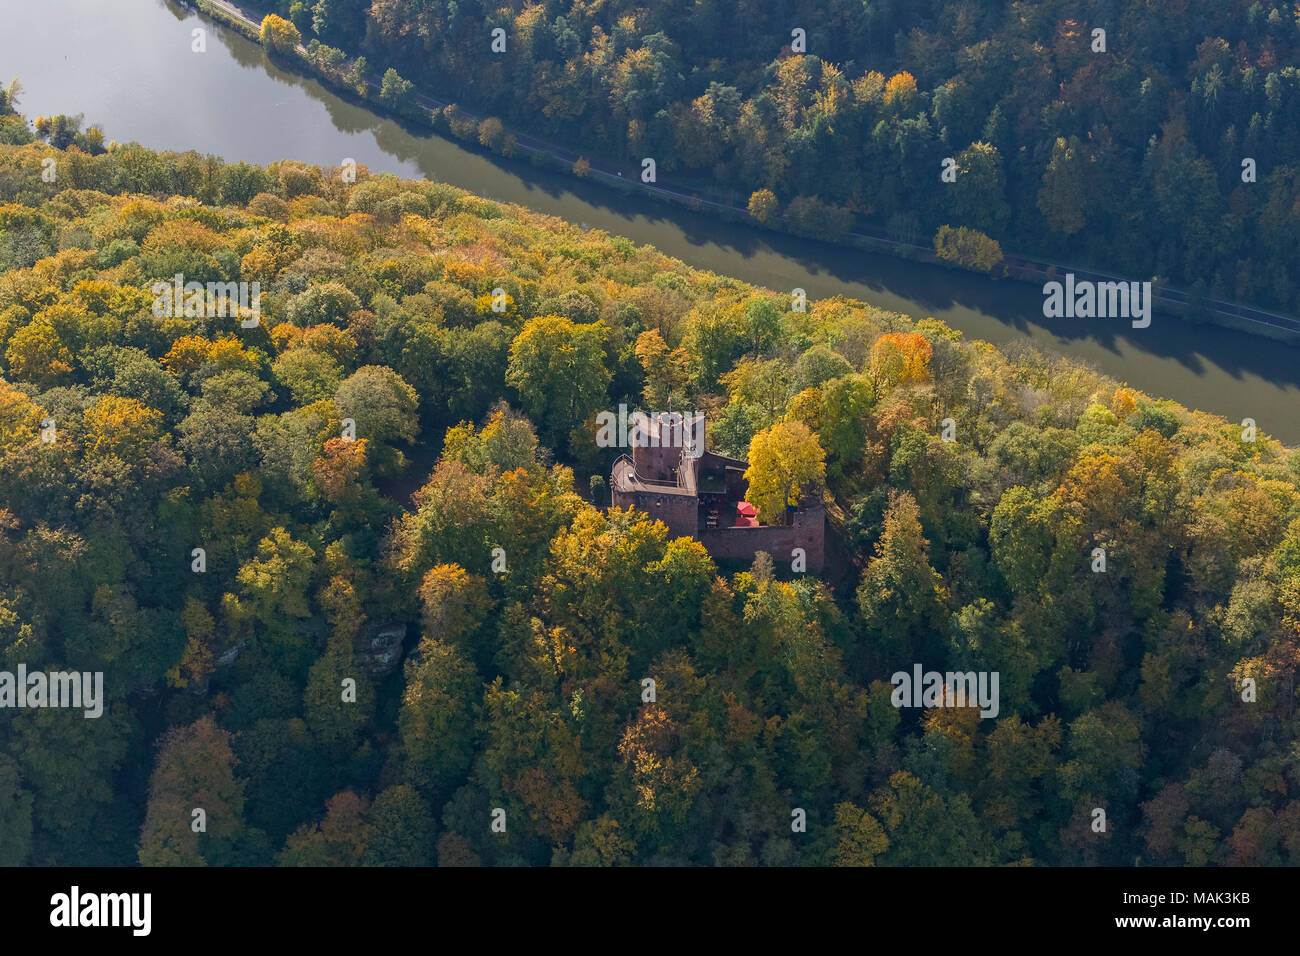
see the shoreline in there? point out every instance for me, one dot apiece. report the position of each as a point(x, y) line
point(1018, 268)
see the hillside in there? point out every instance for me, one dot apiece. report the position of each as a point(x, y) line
point(410, 336)
point(1162, 146)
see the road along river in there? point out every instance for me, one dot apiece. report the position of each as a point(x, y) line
point(128, 67)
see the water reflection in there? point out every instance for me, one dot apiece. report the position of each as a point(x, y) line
point(128, 67)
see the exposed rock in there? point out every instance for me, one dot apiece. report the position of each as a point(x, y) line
point(229, 657)
point(384, 651)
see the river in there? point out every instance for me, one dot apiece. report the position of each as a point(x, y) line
point(127, 65)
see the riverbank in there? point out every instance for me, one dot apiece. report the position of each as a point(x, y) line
point(237, 103)
point(433, 116)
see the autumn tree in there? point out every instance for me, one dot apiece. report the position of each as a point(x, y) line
point(861, 838)
point(491, 134)
point(121, 427)
point(279, 35)
point(786, 462)
point(36, 354)
point(968, 248)
point(195, 771)
point(665, 369)
point(899, 358)
point(763, 205)
point(340, 839)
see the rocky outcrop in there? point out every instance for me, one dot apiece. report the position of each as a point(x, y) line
point(383, 652)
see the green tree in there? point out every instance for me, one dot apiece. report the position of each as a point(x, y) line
point(15, 815)
point(1066, 191)
point(861, 839)
point(68, 764)
point(558, 368)
point(380, 402)
point(402, 829)
point(275, 583)
point(309, 375)
point(924, 829)
point(979, 194)
point(902, 597)
point(396, 93)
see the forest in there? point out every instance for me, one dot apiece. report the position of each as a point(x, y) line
point(351, 576)
point(1163, 149)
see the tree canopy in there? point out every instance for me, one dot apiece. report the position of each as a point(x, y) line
point(350, 598)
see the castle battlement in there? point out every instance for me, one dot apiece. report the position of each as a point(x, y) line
point(699, 494)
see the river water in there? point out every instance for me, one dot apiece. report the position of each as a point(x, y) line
point(128, 66)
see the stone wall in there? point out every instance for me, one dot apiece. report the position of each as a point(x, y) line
point(807, 531)
point(681, 513)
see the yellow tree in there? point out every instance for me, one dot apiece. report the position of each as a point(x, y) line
point(900, 357)
point(121, 427)
point(900, 90)
point(784, 462)
point(806, 407)
point(36, 354)
point(19, 417)
point(1124, 402)
point(1097, 487)
point(491, 133)
point(861, 837)
point(339, 470)
point(666, 371)
point(762, 204)
point(278, 34)
point(190, 352)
